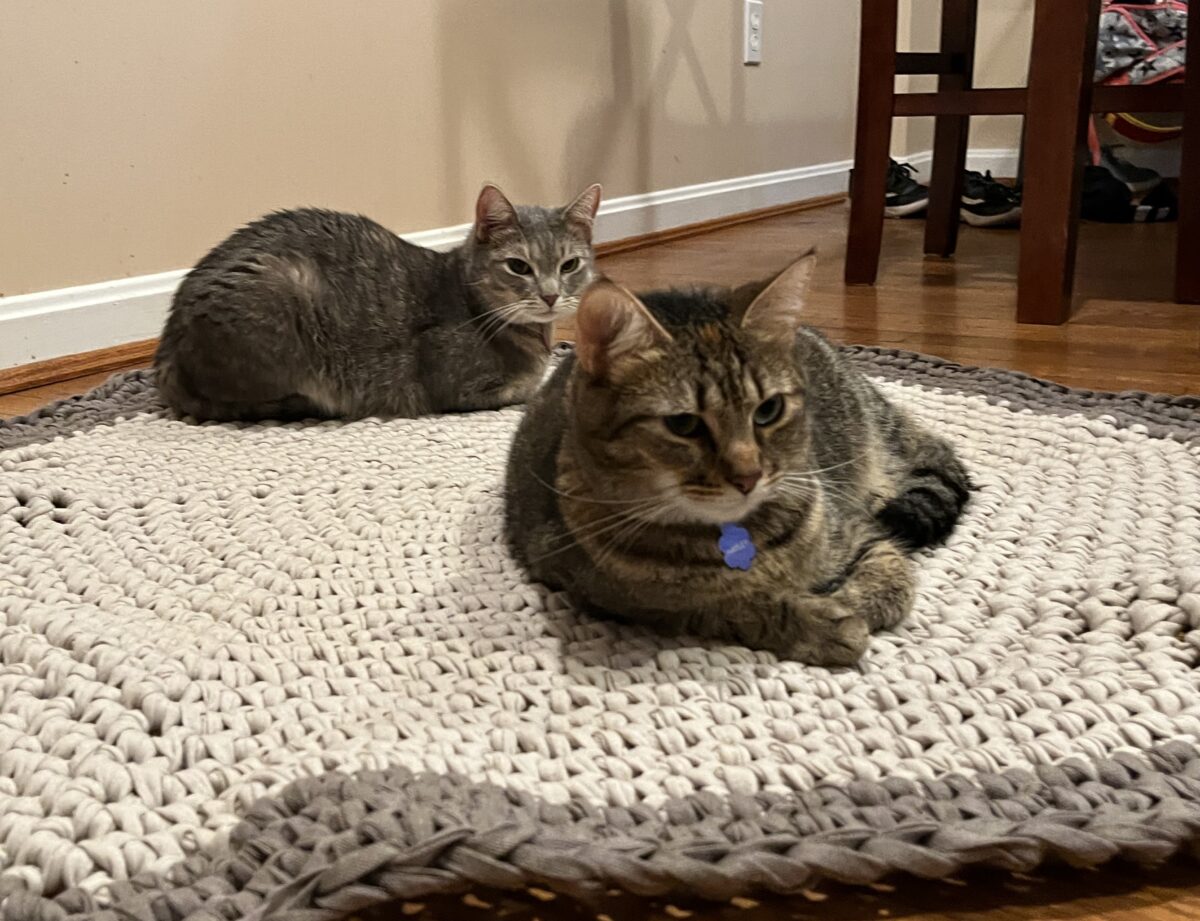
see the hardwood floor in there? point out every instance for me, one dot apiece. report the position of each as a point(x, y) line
point(26, 401)
point(1124, 894)
point(1125, 334)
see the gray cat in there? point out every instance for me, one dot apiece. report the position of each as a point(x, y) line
point(705, 464)
point(313, 313)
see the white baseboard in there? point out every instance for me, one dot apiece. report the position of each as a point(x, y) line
point(1001, 161)
point(66, 321)
point(634, 215)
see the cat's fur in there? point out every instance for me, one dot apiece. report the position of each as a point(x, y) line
point(319, 313)
point(605, 502)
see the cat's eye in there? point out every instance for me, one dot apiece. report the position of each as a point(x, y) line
point(769, 410)
point(569, 265)
point(685, 425)
point(518, 266)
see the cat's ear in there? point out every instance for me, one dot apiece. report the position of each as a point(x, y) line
point(778, 310)
point(612, 324)
point(493, 213)
point(582, 211)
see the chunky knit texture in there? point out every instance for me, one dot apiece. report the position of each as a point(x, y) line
point(289, 670)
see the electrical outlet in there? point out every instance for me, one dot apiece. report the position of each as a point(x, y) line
point(752, 43)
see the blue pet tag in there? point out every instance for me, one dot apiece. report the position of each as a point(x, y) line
point(736, 546)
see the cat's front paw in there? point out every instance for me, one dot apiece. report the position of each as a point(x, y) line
point(831, 634)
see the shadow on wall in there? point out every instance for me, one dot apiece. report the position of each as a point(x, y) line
point(651, 49)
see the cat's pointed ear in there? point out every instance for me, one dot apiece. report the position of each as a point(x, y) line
point(582, 211)
point(778, 310)
point(612, 324)
point(493, 212)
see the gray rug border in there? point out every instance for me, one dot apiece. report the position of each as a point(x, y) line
point(327, 846)
point(1161, 415)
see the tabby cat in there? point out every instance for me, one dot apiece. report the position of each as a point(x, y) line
point(313, 313)
point(706, 464)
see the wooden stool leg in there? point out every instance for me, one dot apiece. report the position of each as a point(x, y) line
point(1059, 104)
point(1187, 260)
point(872, 140)
point(950, 131)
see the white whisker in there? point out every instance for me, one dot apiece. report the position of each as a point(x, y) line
point(578, 498)
point(622, 539)
point(598, 525)
point(596, 529)
point(845, 463)
point(490, 315)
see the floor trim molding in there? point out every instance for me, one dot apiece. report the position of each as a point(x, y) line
point(655, 237)
point(68, 367)
point(1002, 162)
point(68, 322)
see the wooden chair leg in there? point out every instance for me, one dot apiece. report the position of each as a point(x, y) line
point(950, 131)
point(872, 140)
point(1187, 260)
point(1059, 103)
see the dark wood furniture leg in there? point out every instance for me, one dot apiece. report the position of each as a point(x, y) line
point(872, 139)
point(1187, 259)
point(950, 131)
point(1058, 105)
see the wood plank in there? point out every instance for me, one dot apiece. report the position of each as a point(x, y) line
point(1157, 97)
point(988, 101)
point(1153, 97)
point(959, 19)
point(1115, 893)
point(26, 401)
point(930, 62)
point(39, 373)
point(1060, 92)
point(872, 138)
point(1187, 257)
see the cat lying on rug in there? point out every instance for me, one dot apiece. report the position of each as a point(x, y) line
point(318, 313)
point(705, 464)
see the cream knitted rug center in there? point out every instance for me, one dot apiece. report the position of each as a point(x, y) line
point(262, 670)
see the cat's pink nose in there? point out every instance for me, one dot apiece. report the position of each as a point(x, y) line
point(745, 483)
point(549, 299)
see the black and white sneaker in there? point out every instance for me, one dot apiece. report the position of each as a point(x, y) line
point(905, 196)
point(1138, 179)
point(1106, 198)
point(988, 203)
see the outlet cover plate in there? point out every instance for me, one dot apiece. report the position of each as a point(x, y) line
point(752, 41)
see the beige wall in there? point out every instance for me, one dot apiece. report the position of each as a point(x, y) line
point(137, 134)
point(918, 30)
point(1001, 59)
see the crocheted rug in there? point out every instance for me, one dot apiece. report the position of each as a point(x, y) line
point(286, 671)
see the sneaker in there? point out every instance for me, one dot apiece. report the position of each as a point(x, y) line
point(988, 203)
point(1138, 179)
point(1105, 198)
point(1159, 205)
point(905, 196)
